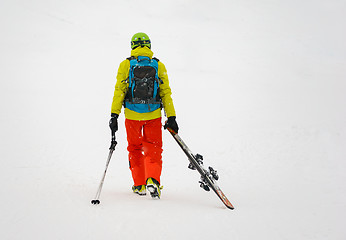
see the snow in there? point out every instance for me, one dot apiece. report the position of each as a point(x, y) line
point(259, 91)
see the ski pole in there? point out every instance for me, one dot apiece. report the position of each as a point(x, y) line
point(111, 149)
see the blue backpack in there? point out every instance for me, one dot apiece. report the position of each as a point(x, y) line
point(144, 85)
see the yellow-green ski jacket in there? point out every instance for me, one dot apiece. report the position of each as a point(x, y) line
point(121, 88)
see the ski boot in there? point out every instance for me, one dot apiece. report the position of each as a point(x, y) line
point(154, 188)
point(140, 190)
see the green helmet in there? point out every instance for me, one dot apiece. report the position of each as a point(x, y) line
point(140, 39)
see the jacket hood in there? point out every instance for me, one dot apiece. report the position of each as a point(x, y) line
point(142, 51)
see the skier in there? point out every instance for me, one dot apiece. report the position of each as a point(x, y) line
point(143, 88)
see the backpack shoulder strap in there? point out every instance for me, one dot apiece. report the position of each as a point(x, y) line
point(130, 58)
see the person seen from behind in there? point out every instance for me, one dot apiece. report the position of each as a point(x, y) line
point(142, 87)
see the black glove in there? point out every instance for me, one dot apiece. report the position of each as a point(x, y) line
point(172, 124)
point(113, 123)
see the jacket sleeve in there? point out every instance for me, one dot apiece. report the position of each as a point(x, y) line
point(120, 87)
point(165, 91)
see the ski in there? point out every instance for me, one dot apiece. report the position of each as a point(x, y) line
point(208, 177)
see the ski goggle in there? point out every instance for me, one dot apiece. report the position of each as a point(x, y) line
point(140, 42)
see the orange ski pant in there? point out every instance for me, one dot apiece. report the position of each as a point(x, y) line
point(145, 149)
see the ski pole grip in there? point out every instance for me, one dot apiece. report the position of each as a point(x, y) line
point(113, 142)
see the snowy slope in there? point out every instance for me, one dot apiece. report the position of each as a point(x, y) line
point(259, 90)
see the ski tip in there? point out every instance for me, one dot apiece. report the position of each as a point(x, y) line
point(229, 205)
